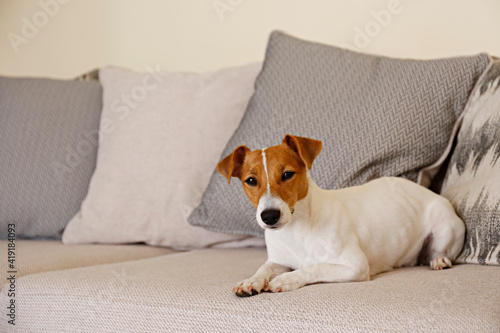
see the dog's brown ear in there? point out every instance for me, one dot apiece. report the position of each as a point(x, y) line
point(231, 165)
point(307, 149)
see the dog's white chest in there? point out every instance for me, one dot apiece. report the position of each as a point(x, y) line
point(297, 248)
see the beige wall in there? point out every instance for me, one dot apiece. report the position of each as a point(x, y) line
point(198, 35)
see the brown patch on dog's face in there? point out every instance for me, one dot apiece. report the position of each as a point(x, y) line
point(285, 169)
point(253, 176)
point(287, 175)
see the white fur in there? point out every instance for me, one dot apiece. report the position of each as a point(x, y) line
point(264, 162)
point(268, 201)
point(353, 233)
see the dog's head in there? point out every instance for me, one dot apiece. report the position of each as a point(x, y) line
point(274, 178)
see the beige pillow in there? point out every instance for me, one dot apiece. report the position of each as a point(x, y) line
point(161, 136)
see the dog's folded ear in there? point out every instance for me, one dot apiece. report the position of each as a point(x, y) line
point(231, 165)
point(307, 149)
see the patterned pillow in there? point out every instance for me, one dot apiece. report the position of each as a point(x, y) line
point(376, 116)
point(472, 182)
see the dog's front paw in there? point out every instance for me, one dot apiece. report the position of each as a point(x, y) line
point(285, 282)
point(250, 287)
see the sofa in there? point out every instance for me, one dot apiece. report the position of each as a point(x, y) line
point(133, 288)
point(114, 218)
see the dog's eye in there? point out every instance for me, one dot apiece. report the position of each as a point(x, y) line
point(287, 175)
point(251, 181)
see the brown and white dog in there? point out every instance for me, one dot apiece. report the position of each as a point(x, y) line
point(315, 235)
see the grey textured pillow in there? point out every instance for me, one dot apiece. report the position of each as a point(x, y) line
point(472, 182)
point(376, 116)
point(48, 146)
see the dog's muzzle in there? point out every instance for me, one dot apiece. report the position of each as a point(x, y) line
point(270, 216)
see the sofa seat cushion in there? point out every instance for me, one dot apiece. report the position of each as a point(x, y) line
point(191, 292)
point(42, 256)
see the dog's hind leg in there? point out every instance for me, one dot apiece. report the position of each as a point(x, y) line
point(447, 234)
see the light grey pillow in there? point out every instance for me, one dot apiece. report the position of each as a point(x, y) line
point(157, 154)
point(48, 146)
point(472, 181)
point(376, 116)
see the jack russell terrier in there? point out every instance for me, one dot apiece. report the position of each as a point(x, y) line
point(315, 235)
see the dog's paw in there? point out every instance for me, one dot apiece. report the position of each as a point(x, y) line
point(285, 282)
point(250, 287)
point(440, 263)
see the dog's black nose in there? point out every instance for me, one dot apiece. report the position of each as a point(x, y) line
point(270, 216)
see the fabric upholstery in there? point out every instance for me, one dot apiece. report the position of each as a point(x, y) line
point(52, 255)
point(191, 292)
